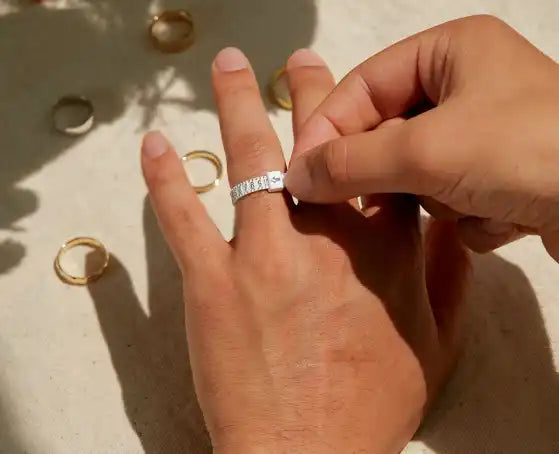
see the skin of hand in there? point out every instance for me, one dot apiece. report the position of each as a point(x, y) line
point(318, 328)
point(480, 144)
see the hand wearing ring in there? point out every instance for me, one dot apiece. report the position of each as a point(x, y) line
point(317, 321)
point(271, 182)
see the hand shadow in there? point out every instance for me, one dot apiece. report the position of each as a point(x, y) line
point(12, 440)
point(504, 395)
point(149, 352)
point(11, 254)
point(100, 49)
point(15, 203)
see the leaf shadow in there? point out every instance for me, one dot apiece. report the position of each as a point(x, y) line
point(504, 395)
point(100, 49)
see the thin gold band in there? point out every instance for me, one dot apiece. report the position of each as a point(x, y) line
point(202, 154)
point(284, 103)
point(177, 45)
point(80, 280)
point(74, 100)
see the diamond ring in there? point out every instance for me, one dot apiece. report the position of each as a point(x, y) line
point(271, 182)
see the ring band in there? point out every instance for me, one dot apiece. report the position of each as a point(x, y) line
point(283, 102)
point(201, 154)
point(81, 280)
point(73, 101)
point(175, 45)
point(271, 182)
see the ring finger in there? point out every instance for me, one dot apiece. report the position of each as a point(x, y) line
point(310, 81)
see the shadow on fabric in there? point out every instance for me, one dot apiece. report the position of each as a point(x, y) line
point(505, 391)
point(10, 440)
point(149, 351)
point(100, 49)
point(504, 396)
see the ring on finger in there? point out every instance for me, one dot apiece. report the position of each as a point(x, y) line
point(271, 182)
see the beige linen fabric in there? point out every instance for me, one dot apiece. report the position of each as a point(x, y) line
point(104, 370)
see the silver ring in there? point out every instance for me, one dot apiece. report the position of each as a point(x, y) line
point(271, 182)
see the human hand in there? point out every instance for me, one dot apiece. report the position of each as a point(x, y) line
point(318, 328)
point(487, 155)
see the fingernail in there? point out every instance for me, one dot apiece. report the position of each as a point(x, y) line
point(304, 57)
point(230, 59)
point(154, 145)
point(497, 228)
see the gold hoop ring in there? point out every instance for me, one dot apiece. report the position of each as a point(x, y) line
point(284, 103)
point(76, 101)
point(177, 45)
point(201, 154)
point(80, 280)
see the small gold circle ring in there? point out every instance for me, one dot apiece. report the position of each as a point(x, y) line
point(73, 101)
point(216, 162)
point(169, 46)
point(283, 102)
point(81, 280)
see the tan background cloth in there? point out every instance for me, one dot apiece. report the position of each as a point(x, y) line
point(104, 370)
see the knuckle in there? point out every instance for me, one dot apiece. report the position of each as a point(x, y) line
point(248, 150)
point(486, 20)
point(248, 143)
point(159, 174)
point(202, 297)
point(419, 157)
point(180, 218)
point(483, 23)
point(238, 88)
point(335, 161)
point(271, 266)
point(418, 148)
point(277, 272)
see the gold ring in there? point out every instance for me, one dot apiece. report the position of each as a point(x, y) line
point(178, 44)
point(200, 154)
point(60, 124)
point(81, 280)
point(283, 102)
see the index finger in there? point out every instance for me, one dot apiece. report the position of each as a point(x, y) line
point(385, 86)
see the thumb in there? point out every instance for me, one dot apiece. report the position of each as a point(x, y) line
point(380, 161)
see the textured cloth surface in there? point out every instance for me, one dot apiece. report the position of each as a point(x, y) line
point(104, 370)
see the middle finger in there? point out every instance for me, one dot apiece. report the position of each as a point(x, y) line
point(250, 142)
